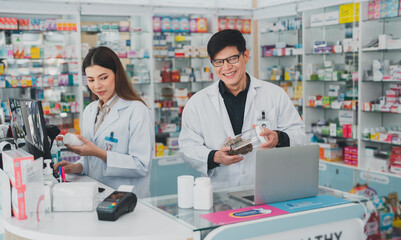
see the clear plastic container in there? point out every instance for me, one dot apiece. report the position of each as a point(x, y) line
point(246, 142)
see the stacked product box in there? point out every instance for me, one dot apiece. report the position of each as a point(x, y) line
point(281, 49)
point(351, 156)
point(282, 25)
point(395, 160)
point(349, 13)
point(383, 9)
point(330, 152)
point(14, 165)
point(179, 25)
point(242, 25)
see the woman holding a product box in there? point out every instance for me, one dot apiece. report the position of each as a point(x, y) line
point(118, 132)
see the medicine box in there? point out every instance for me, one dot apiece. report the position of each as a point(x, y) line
point(14, 163)
point(378, 164)
point(349, 13)
point(74, 196)
point(18, 203)
point(395, 168)
point(317, 20)
point(331, 18)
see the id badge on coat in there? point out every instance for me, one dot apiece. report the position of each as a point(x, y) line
point(110, 142)
point(263, 122)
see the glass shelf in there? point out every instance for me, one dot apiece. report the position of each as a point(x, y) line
point(382, 142)
point(282, 56)
point(282, 32)
point(281, 80)
point(331, 81)
point(331, 53)
point(386, 20)
point(37, 31)
point(336, 137)
point(183, 58)
point(371, 81)
point(333, 26)
point(141, 83)
point(331, 108)
point(113, 31)
point(379, 112)
point(376, 49)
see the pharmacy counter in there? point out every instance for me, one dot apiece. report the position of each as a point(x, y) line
point(311, 219)
point(144, 223)
point(160, 218)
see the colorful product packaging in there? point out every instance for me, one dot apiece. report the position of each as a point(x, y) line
point(246, 26)
point(201, 25)
point(239, 24)
point(222, 23)
point(349, 13)
point(14, 164)
point(175, 25)
point(166, 24)
point(184, 24)
point(193, 25)
point(231, 24)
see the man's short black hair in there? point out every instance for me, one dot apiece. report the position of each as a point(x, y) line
point(223, 39)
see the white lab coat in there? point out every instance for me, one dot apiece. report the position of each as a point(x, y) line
point(130, 162)
point(206, 125)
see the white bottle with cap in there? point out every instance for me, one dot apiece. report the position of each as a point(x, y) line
point(203, 194)
point(48, 173)
point(72, 139)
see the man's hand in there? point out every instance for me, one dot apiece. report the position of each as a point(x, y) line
point(222, 157)
point(272, 138)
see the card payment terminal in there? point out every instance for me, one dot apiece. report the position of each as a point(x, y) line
point(115, 205)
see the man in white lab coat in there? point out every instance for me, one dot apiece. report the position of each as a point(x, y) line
point(231, 106)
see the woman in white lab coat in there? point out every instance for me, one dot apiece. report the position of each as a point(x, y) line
point(118, 131)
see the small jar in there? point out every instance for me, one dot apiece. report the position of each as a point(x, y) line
point(247, 141)
point(203, 194)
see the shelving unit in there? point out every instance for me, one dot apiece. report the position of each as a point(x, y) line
point(377, 59)
point(130, 37)
point(182, 68)
point(41, 56)
point(280, 53)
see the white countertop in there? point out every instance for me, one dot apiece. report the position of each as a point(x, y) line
point(143, 223)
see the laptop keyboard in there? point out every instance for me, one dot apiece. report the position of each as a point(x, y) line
point(251, 197)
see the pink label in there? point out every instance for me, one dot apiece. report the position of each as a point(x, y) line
point(243, 214)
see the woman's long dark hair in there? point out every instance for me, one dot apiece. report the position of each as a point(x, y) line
point(105, 57)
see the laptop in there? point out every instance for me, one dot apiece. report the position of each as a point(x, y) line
point(283, 174)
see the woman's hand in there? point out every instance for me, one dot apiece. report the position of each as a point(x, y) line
point(88, 149)
point(69, 167)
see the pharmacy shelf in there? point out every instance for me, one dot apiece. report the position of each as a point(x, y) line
point(322, 108)
point(387, 20)
point(376, 49)
point(331, 81)
point(328, 27)
point(292, 31)
point(371, 81)
point(379, 112)
point(169, 108)
point(340, 164)
point(336, 137)
point(297, 55)
point(381, 142)
point(167, 157)
point(331, 53)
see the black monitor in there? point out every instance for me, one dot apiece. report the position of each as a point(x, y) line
point(28, 126)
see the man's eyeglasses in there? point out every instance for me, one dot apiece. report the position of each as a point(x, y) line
point(231, 60)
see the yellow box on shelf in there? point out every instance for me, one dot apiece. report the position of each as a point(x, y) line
point(349, 13)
